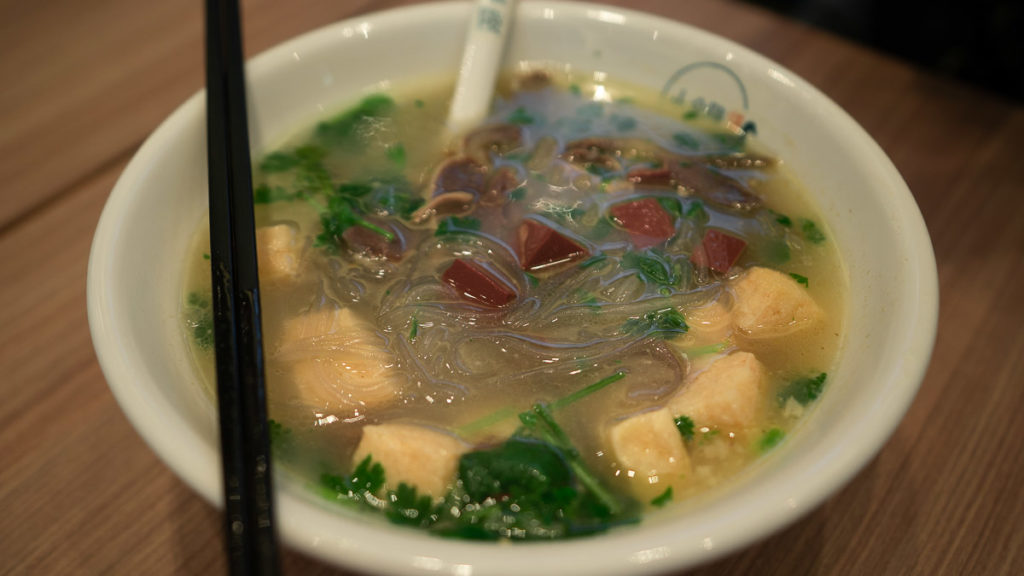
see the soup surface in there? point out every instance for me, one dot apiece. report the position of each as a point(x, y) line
point(596, 304)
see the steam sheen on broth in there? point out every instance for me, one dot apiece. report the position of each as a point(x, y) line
point(596, 304)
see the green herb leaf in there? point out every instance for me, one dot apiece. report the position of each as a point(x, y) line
point(396, 154)
point(800, 279)
point(264, 194)
point(340, 215)
point(672, 206)
point(685, 426)
point(587, 390)
point(685, 140)
point(199, 320)
point(811, 232)
point(281, 439)
point(696, 211)
point(520, 116)
point(664, 323)
point(347, 129)
point(457, 225)
point(279, 162)
point(587, 299)
point(663, 498)
point(594, 260)
point(395, 197)
point(770, 439)
point(803, 390)
point(654, 267)
point(362, 485)
point(414, 330)
point(407, 507)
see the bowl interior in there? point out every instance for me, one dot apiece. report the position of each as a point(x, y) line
point(136, 268)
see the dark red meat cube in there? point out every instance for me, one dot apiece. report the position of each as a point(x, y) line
point(541, 247)
point(718, 251)
point(476, 284)
point(646, 221)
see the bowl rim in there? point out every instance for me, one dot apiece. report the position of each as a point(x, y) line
point(369, 546)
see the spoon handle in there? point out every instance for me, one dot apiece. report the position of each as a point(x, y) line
point(481, 60)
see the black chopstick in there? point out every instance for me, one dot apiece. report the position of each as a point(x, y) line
point(245, 444)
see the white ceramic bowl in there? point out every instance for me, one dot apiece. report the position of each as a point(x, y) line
point(135, 276)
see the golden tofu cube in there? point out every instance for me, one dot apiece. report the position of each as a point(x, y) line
point(649, 450)
point(336, 364)
point(422, 457)
point(278, 253)
point(727, 395)
point(769, 303)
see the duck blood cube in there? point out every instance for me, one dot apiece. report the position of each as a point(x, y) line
point(541, 247)
point(718, 251)
point(646, 221)
point(476, 284)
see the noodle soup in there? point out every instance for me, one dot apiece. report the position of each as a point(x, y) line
point(592, 306)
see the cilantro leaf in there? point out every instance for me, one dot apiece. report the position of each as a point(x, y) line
point(278, 162)
point(361, 486)
point(347, 128)
point(654, 267)
point(281, 438)
point(811, 232)
point(696, 211)
point(663, 498)
point(264, 194)
point(685, 426)
point(671, 205)
point(406, 506)
point(685, 140)
point(800, 279)
point(520, 116)
point(770, 439)
point(803, 390)
point(456, 225)
point(664, 323)
point(199, 320)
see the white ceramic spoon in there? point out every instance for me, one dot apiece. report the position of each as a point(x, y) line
point(481, 60)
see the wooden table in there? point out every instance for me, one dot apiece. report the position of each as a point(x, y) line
point(83, 83)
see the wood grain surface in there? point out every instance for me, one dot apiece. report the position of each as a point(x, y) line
point(83, 83)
